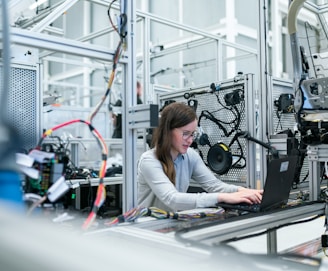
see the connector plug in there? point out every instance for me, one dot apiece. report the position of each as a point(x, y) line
point(59, 188)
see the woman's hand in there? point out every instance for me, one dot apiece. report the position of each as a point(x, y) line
point(244, 195)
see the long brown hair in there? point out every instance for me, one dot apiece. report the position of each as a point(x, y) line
point(174, 115)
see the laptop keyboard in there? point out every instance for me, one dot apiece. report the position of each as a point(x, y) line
point(249, 207)
point(253, 208)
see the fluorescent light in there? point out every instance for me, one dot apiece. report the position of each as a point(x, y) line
point(37, 3)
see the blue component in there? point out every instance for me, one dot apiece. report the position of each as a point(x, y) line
point(10, 187)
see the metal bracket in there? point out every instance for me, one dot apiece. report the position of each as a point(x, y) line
point(142, 116)
point(318, 153)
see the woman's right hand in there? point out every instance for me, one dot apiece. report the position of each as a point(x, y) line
point(245, 195)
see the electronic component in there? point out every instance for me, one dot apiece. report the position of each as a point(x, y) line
point(285, 103)
point(232, 98)
point(219, 158)
point(49, 172)
point(193, 103)
point(58, 189)
point(215, 87)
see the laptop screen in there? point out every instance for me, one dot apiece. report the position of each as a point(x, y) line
point(279, 181)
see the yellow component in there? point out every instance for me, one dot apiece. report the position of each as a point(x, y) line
point(48, 132)
point(224, 147)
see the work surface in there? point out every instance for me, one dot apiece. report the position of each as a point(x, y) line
point(220, 228)
point(134, 246)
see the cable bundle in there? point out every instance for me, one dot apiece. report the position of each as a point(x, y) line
point(137, 212)
point(101, 191)
point(130, 216)
point(186, 215)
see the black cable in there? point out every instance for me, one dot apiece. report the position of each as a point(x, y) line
point(110, 18)
point(241, 155)
point(289, 256)
point(279, 120)
point(90, 195)
point(271, 229)
point(308, 41)
point(210, 116)
point(238, 118)
point(234, 125)
point(123, 25)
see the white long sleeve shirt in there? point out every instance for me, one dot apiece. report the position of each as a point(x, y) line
point(156, 190)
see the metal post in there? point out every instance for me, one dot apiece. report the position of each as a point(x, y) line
point(129, 99)
point(272, 242)
point(263, 82)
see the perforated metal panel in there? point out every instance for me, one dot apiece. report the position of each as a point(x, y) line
point(283, 121)
point(24, 104)
point(229, 118)
point(280, 121)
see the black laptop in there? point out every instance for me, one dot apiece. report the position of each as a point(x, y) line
point(279, 181)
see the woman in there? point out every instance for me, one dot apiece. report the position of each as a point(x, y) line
point(164, 172)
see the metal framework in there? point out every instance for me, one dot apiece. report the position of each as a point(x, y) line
point(211, 101)
point(57, 44)
point(33, 38)
point(318, 159)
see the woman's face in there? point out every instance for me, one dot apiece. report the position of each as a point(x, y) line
point(182, 138)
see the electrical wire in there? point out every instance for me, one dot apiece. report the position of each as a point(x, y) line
point(101, 191)
point(179, 233)
point(233, 109)
point(129, 216)
point(191, 215)
point(272, 229)
point(118, 52)
point(117, 56)
point(133, 214)
point(100, 198)
point(110, 18)
point(208, 115)
point(241, 156)
point(308, 42)
point(36, 204)
point(234, 124)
